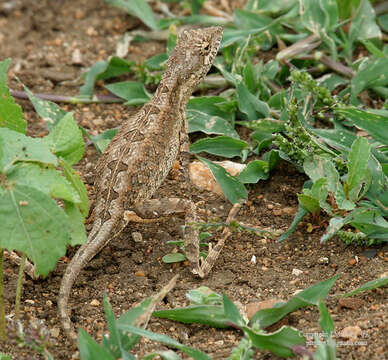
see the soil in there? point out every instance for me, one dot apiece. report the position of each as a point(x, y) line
point(40, 37)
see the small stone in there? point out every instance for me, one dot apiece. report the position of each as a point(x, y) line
point(54, 332)
point(137, 237)
point(351, 332)
point(253, 259)
point(91, 31)
point(49, 303)
point(290, 211)
point(277, 212)
point(98, 122)
point(76, 57)
point(270, 206)
point(28, 301)
point(95, 302)
point(352, 261)
point(351, 303)
point(323, 260)
point(297, 272)
point(139, 273)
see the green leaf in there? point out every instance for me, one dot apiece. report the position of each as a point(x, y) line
point(231, 311)
point(378, 190)
point(307, 297)
point(91, 77)
point(66, 141)
point(50, 112)
point(364, 25)
point(249, 104)
point(370, 222)
point(279, 342)
point(319, 15)
point(204, 296)
point(15, 147)
point(210, 315)
point(137, 8)
point(335, 224)
point(173, 258)
point(325, 321)
point(371, 73)
point(78, 185)
point(295, 222)
point(132, 91)
point(11, 115)
point(309, 203)
point(89, 349)
point(255, 170)
point(221, 145)
point(102, 140)
point(45, 179)
point(358, 159)
point(164, 339)
point(33, 224)
point(77, 227)
point(375, 125)
point(230, 186)
point(370, 285)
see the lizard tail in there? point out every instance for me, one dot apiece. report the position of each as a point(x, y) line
point(98, 238)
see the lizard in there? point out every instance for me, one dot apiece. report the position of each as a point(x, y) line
point(141, 154)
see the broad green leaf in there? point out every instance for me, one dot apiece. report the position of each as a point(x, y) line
point(256, 170)
point(311, 296)
point(164, 355)
point(89, 349)
point(325, 321)
point(317, 167)
point(231, 311)
point(372, 73)
point(50, 112)
point(77, 184)
point(383, 21)
point(45, 179)
point(210, 315)
point(230, 186)
point(364, 25)
point(132, 91)
point(76, 220)
point(279, 342)
point(358, 159)
point(309, 203)
point(196, 6)
point(204, 296)
point(33, 223)
point(319, 15)
point(370, 222)
point(221, 145)
point(370, 285)
point(156, 62)
point(250, 104)
point(200, 121)
point(331, 81)
point(11, 115)
point(137, 8)
point(102, 140)
point(263, 125)
point(378, 190)
point(173, 258)
point(164, 339)
point(335, 224)
point(375, 125)
point(231, 36)
point(295, 222)
point(91, 77)
point(15, 147)
point(65, 140)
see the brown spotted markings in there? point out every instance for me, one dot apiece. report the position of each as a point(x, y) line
point(142, 153)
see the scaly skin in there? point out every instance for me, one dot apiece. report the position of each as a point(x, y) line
point(140, 156)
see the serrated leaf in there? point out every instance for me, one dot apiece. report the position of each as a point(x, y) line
point(35, 225)
point(230, 186)
point(16, 147)
point(66, 140)
point(78, 185)
point(50, 112)
point(279, 342)
point(221, 145)
point(11, 115)
point(48, 180)
point(137, 8)
point(132, 91)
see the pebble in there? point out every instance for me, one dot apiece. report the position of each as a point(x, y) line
point(297, 272)
point(76, 57)
point(137, 237)
point(54, 332)
point(323, 260)
point(95, 302)
point(139, 273)
point(351, 303)
point(351, 332)
point(253, 259)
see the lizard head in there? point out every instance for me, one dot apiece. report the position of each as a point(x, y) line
point(193, 55)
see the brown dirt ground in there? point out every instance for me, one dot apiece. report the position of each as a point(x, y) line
point(41, 37)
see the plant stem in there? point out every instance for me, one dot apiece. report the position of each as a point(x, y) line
point(19, 287)
point(2, 307)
